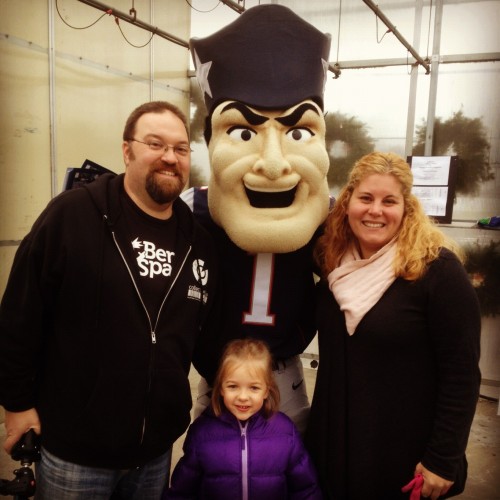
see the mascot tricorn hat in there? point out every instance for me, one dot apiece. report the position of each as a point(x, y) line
point(267, 58)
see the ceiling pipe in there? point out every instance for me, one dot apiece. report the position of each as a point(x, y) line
point(235, 6)
point(334, 68)
point(398, 35)
point(136, 22)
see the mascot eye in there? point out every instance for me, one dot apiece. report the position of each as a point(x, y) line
point(299, 134)
point(241, 133)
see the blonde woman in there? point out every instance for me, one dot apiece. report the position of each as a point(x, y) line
point(399, 326)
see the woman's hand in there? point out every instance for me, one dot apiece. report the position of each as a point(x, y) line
point(434, 486)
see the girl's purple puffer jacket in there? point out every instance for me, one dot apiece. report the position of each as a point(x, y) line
point(265, 460)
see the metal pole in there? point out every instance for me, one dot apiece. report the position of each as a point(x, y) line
point(136, 22)
point(152, 56)
point(235, 6)
point(436, 48)
point(398, 35)
point(412, 98)
point(52, 100)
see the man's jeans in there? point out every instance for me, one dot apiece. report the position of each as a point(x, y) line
point(57, 479)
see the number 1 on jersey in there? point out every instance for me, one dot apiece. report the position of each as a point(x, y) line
point(260, 299)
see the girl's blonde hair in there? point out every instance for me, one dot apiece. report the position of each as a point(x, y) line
point(419, 240)
point(241, 351)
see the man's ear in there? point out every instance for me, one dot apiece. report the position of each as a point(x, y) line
point(126, 152)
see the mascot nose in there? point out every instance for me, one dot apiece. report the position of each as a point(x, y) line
point(272, 163)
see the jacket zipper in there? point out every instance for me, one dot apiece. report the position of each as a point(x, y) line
point(244, 461)
point(151, 328)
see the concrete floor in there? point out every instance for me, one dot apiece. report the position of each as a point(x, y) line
point(483, 451)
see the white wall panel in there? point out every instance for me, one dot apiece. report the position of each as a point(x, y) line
point(98, 77)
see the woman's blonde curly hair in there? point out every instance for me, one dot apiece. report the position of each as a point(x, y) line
point(419, 240)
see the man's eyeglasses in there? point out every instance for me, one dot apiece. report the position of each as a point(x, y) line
point(181, 150)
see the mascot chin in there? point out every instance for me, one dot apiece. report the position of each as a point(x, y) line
point(263, 79)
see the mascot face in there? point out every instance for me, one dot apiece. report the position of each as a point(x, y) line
point(268, 187)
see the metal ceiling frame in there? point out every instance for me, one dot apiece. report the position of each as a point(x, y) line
point(398, 35)
point(132, 19)
point(333, 67)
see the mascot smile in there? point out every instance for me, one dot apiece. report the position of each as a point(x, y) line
point(268, 186)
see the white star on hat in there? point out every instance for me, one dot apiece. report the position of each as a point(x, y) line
point(202, 70)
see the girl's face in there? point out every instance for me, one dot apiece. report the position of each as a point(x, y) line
point(375, 212)
point(244, 389)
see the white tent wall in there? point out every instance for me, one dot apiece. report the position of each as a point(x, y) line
point(65, 94)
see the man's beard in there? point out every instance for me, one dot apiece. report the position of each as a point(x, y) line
point(161, 193)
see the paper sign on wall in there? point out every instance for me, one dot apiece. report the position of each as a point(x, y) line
point(434, 184)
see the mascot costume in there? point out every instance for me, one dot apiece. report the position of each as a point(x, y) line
point(263, 78)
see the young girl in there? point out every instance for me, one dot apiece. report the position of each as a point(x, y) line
point(242, 447)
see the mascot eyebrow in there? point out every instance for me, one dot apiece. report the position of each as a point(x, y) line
point(294, 117)
point(251, 117)
point(256, 119)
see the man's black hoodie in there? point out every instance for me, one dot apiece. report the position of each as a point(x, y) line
point(110, 384)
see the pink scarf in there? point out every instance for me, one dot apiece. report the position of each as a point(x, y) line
point(357, 284)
